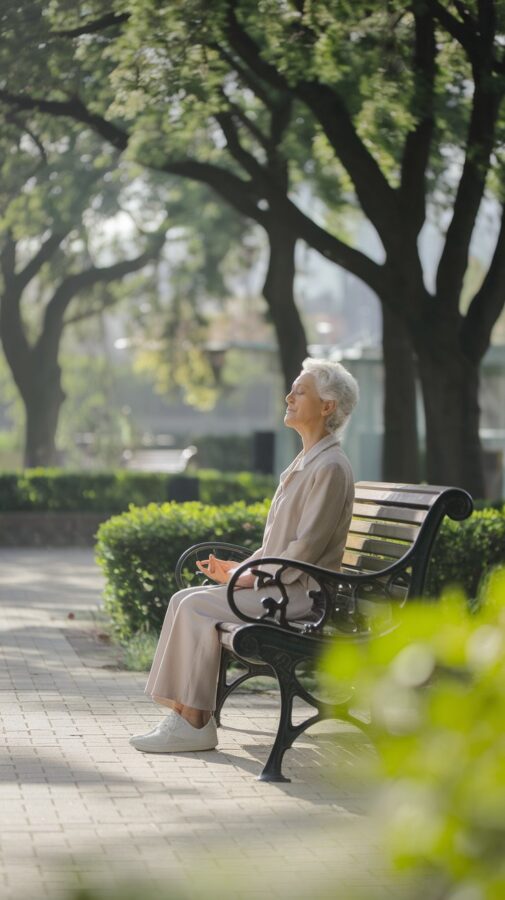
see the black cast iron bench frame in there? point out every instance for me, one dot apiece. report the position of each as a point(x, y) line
point(385, 563)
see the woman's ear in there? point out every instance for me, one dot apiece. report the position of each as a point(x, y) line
point(328, 407)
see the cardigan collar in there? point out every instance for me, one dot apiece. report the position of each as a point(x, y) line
point(303, 459)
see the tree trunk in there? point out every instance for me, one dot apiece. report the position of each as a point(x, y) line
point(400, 454)
point(450, 392)
point(278, 292)
point(42, 400)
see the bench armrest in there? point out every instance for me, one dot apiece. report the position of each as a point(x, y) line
point(334, 592)
point(187, 561)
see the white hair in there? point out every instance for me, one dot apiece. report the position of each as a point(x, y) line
point(334, 382)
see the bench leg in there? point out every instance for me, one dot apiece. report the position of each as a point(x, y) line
point(269, 645)
point(284, 666)
point(226, 687)
point(286, 731)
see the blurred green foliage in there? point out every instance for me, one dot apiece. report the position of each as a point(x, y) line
point(138, 552)
point(435, 687)
point(56, 490)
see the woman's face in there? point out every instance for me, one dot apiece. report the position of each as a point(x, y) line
point(306, 410)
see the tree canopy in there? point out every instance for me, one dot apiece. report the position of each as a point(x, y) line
point(394, 107)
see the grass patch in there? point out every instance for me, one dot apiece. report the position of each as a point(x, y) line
point(138, 651)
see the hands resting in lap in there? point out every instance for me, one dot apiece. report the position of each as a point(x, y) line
point(221, 570)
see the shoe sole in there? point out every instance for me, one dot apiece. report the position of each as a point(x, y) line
point(175, 750)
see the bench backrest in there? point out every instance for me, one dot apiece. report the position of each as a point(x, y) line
point(390, 519)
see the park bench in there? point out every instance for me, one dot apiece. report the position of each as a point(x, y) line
point(158, 459)
point(385, 562)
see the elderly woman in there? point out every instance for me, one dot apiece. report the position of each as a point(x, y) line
point(308, 520)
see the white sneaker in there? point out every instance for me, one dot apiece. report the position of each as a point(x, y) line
point(162, 724)
point(175, 735)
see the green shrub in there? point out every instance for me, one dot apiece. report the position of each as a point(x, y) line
point(138, 651)
point(228, 487)
point(465, 551)
point(138, 551)
point(52, 490)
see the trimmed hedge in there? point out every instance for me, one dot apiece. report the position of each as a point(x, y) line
point(56, 490)
point(138, 551)
point(465, 551)
point(229, 487)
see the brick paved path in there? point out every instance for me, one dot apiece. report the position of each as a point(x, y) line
point(77, 803)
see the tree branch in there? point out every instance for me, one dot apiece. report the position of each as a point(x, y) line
point(43, 254)
point(376, 197)
point(12, 334)
point(239, 153)
point(89, 313)
point(251, 126)
point(96, 25)
point(479, 146)
point(331, 247)
point(486, 31)
point(472, 34)
point(11, 117)
point(486, 20)
point(8, 258)
point(459, 30)
point(248, 51)
point(241, 194)
point(487, 304)
point(465, 15)
point(80, 281)
point(280, 119)
point(418, 142)
point(248, 78)
point(276, 168)
point(72, 108)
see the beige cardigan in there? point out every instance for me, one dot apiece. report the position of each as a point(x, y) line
point(311, 510)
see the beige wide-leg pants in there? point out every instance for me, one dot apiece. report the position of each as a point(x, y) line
point(186, 663)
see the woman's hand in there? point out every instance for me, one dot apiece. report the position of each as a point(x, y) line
point(221, 570)
point(215, 568)
point(245, 581)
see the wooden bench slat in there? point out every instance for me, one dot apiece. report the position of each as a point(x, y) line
point(409, 498)
point(364, 563)
point(372, 545)
point(393, 513)
point(401, 486)
point(384, 529)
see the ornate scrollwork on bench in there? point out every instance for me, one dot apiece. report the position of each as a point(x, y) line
point(337, 599)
